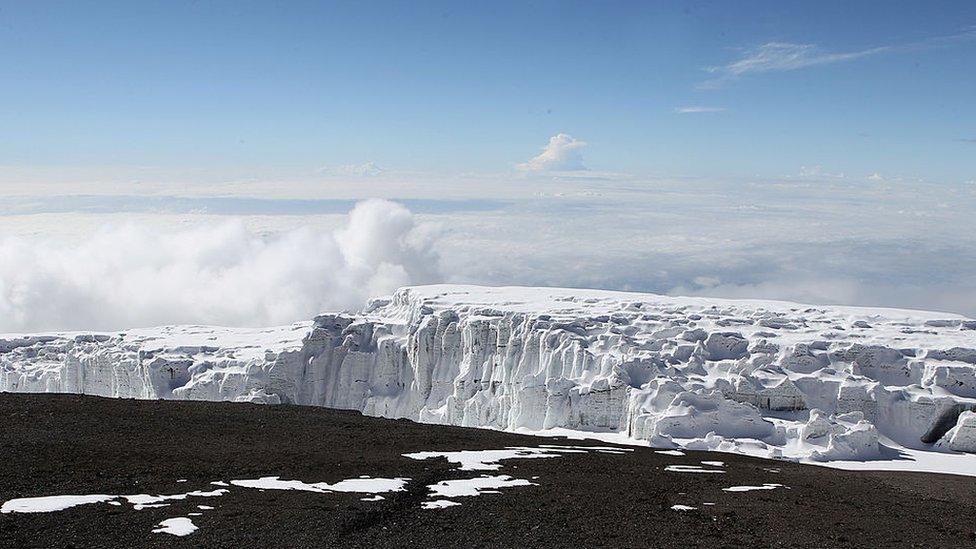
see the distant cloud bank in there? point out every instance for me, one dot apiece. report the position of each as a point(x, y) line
point(366, 169)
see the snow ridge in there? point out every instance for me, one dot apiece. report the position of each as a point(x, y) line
point(763, 377)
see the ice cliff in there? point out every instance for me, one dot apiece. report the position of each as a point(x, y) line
point(775, 378)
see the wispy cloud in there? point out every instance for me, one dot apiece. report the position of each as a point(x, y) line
point(697, 109)
point(783, 56)
point(967, 140)
point(789, 56)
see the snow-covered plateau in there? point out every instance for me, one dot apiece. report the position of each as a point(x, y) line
point(776, 379)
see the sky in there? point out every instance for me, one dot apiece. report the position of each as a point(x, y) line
point(821, 152)
point(856, 88)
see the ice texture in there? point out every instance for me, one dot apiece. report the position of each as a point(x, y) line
point(781, 379)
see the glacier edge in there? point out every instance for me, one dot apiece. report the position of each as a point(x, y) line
point(775, 378)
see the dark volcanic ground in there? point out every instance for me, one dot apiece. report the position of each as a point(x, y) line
point(64, 444)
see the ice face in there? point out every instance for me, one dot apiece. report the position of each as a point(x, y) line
point(768, 378)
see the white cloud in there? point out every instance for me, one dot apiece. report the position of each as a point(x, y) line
point(820, 239)
point(823, 240)
point(562, 154)
point(366, 169)
point(876, 177)
point(697, 109)
point(817, 172)
point(132, 275)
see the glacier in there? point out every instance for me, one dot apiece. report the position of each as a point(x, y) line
point(777, 379)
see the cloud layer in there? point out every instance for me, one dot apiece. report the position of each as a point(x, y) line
point(130, 275)
point(815, 239)
point(824, 241)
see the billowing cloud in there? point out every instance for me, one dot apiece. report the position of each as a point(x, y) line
point(564, 153)
point(131, 275)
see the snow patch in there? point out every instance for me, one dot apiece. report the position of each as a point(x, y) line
point(475, 486)
point(752, 488)
point(690, 469)
point(488, 460)
point(48, 504)
point(438, 504)
point(180, 526)
point(359, 485)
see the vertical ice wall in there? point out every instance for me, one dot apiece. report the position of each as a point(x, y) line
point(820, 382)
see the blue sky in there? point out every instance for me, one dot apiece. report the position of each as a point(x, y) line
point(156, 157)
point(883, 87)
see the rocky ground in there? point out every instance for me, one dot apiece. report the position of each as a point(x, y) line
point(65, 444)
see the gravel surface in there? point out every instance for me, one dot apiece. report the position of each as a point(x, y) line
point(67, 444)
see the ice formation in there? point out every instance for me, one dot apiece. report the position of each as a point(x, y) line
point(763, 377)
